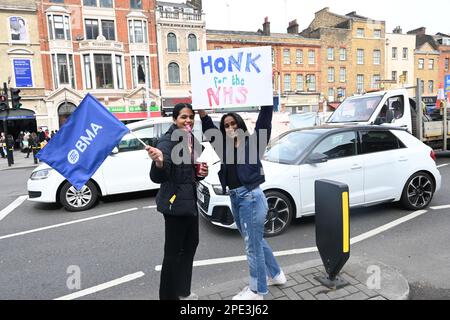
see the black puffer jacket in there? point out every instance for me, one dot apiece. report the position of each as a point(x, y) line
point(178, 192)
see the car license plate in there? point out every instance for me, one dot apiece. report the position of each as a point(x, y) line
point(200, 196)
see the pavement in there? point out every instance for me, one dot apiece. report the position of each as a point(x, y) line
point(19, 161)
point(367, 280)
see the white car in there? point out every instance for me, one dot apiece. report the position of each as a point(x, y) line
point(125, 170)
point(379, 164)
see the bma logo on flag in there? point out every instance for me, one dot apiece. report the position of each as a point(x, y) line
point(73, 156)
point(82, 144)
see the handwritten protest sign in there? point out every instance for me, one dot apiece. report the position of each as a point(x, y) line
point(238, 77)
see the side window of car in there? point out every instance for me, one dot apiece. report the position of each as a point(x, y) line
point(130, 143)
point(338, 145)
point(378, 141)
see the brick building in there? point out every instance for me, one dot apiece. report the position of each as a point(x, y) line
point(443, 41)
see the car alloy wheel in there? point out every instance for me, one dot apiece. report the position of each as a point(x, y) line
point(78, 200)
point(418, 191)
point(279, 215)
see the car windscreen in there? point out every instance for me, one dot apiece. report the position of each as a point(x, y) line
point(359, 109)
point(289, 147)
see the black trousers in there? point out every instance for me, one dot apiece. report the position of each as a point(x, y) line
point(181, 241)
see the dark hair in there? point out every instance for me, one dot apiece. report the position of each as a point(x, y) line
point(239, 121)
point(179, 107)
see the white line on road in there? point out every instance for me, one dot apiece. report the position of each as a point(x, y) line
point(354, 240)
point(149, 207)
point(102, 286)
point(440, 207)
point(442, 165)
point(66, 223)
point(12, 206)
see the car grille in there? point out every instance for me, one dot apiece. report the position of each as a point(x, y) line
point(222, 214)
point(204, 190)
point(34, 194)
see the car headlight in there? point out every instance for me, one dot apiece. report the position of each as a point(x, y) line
point(41, 174)
point(218, 189)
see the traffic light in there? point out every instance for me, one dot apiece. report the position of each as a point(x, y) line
point(15, 98)
point(3, 102)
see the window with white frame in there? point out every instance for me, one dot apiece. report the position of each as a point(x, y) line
point(360, 56)
point(98, 3)
point(103, 71)
point(136, 4)
point(63, 71)
point(342, 54)
point(330, 74)
point(422, 86)
point(273, 53)
point(421, 64)
point(377, 33)
point(137, 31)
point(311, 57)
point(394, 52)
point(192, 42)
point(394, 75)
point(360, 32)
point(360, 83)
point(299, 56)
point(106, 29)
point(300, 83)
point(174, 72)
point(311, 82)
point(287, 56)
point(342, 74)
point(430, 64)
point(58, 27)
point(446, 64)
point(141, 70)
point(430, 86)
point(331, 94)
point(172, 42)
point(341, 92)
point(287, 82)
point(377, 57)
point(376, 81)
point(330, 54)
point(405, 53)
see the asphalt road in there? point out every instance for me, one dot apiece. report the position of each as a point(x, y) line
point(48, 253)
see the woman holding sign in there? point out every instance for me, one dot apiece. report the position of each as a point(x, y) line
point(242, 172)
point(177, 201)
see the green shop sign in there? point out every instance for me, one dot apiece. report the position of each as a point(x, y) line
point(123, 109)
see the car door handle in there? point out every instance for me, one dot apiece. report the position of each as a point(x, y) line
point(356, 167)
point(403, 159)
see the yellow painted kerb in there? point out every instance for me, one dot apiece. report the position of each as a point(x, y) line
point(345, 223)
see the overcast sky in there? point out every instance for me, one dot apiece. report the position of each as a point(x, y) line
point(248, 15)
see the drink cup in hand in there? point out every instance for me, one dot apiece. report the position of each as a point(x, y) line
point(201, 169)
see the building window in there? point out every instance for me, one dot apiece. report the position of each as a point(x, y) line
point(376, 81)
point(360, 83)
point(299, 56)
point(58, 27)
point(137, 30)
point(377, 33)
point(273, 53)
point(360, 56)
point(189, 74)
point(98, 3)
point(360, 32)
point(18, 29)
point(331, 74)
point(376, 57)
point(421, 64)
point(287, 82)
point(405, 53)
point(341, 92)
point(135, 4)
point(431, 64)
point(394, 53)
point(430, 86)
point(87, 71)
point(394, 75)
point(172, 42)
point(342, 54)
point(141, 70)
point(63, 72)
point(103, 71)
point(57, 1)
point(119, 72)
point(342, 75)
point(330, 54)
point(91, 27)
point(174, 73)
point(446, 63)
point(330, 94)
point(422, 86)
point(311, 57)
point(300, 83)
point(311, 82)
point(108, 30)
point(192, 42)
point(287, 56)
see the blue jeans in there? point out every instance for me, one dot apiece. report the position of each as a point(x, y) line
point(249, 210)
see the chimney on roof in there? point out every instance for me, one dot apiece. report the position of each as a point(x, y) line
point(266, 27)
point(353, 13)
point(397, 30)
point(293, 27)
point(418, 31)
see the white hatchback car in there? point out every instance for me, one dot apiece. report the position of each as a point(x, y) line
point(379, 164)
point(125, 170)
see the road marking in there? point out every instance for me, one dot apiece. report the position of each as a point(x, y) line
point(102, 286)
point(441, 207)
point(442, 165)
point(66, 223)
point(149, 207)
point(12, 206)
point(354, 240)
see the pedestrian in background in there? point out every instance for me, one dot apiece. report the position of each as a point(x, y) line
point(3, 151)
point(177, 201)
point(35, 146)
point(10, 149)
point(248, 202)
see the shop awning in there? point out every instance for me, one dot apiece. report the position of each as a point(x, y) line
point(19, 114)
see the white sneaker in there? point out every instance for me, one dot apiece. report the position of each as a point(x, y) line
point(192, 296)
point(247, 294)
point(278, 280)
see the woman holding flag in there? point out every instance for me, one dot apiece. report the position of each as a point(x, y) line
point(177, 201)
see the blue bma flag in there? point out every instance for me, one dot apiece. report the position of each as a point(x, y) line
point(83, 142)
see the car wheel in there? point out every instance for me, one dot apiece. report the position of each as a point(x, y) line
point(74, 200)
point(279, 215)
point(418, 191)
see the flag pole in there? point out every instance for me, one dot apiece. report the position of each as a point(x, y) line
point(143, 143)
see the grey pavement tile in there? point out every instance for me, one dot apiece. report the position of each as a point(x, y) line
point(348, 278)
point(290, 283)
point(309, 271)
point(276, 291)
point(351, 289)
point(311, 277)
point(268, 296)
point(306, 295)
point(363, 288)
point(282, 298)
point(378, 298)
point(319, 290)
point(322, 296)
point(303, 286)
point(337, 294)
point(290, 293)
point(299, 278)
point(215, 296)
point(231, 292)
point(357, 296)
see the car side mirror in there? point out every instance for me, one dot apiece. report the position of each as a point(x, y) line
point(115, 151)
point(378, 121)
point(317, 157)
